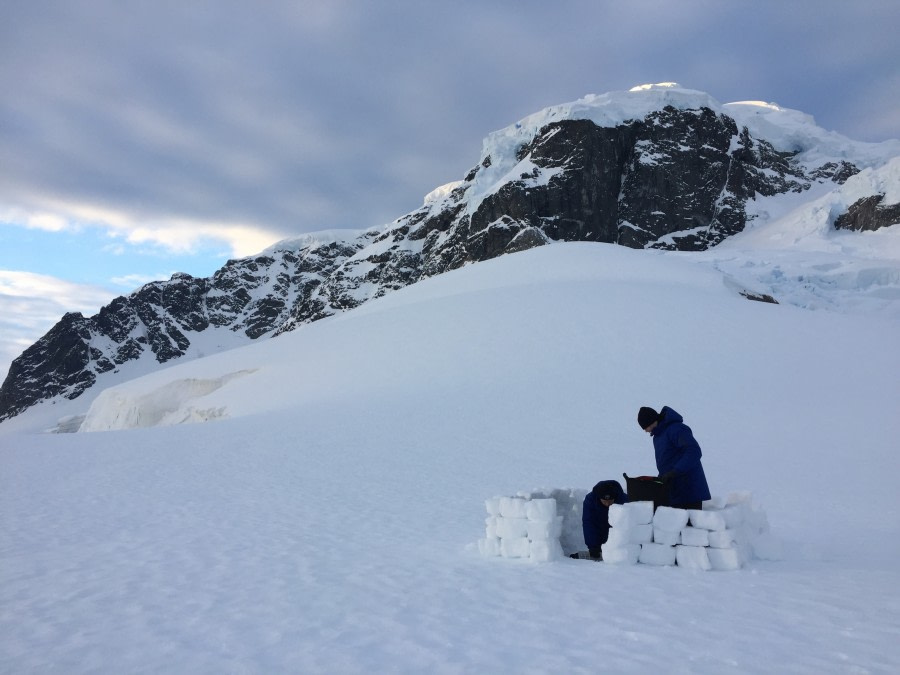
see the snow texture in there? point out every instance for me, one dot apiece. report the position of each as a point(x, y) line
point(326, 521)
point(657, 554)
point(693, 557)
point(667, 518)
point(528, 526)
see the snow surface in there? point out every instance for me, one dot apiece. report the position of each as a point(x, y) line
point(313, 240)
point(792, 251)
point(327, 520)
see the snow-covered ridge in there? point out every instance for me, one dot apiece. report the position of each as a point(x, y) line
point(795, 131)
point(787, 130)
point(312, 241)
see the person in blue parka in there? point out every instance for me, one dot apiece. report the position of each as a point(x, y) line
point(677, 457)
point(595, 514)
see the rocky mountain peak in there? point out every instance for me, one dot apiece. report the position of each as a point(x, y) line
point(656, 167)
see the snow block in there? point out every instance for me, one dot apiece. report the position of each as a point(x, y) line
point(641, 512)
point(538, 530)
point(515, 547)
point(619, 517)
point(628, 515)
point(545, 550)
point(543, 510)
point(489, 546)
point(725, 559)
point(621, 555)
point(692, 557)
point(513, 507)
point(657, 554)
point(490, 526)
point(544, 525)
point(707, 520)
point(512, 528)
point(694, 536)
point(667, 537)
point(618, 536)
point(722, 539)
point(642, 534)
point(667, 518)
point(638, 534)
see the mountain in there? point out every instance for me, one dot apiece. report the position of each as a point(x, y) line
point(657, 167)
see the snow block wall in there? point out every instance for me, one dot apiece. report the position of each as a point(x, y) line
point(723, 535)
point(545, 525)
point(541, 526)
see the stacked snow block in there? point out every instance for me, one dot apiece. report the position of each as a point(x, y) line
point(533, 525)
point(545, 525)
point(721, 536)
point(631, 526)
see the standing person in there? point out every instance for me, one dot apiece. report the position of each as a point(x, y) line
point(677, 457)
point(595, 515)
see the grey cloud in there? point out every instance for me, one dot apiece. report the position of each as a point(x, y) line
point(309, 115)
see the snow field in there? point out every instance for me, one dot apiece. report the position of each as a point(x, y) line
point(324, 523)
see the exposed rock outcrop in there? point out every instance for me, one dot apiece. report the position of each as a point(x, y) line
point(869, 214)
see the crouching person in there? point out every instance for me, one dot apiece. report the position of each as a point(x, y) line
point(595, 516)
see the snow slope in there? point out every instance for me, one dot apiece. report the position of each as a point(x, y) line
point(325, 520)
point(792, 251)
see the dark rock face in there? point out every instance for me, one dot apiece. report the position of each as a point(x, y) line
point(51, 366)
point(253, 297)
point(677, 179)
point(868, 214)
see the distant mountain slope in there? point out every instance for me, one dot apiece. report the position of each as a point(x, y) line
point(655, 167)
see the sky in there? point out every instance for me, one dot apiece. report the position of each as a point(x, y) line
point(141, 139)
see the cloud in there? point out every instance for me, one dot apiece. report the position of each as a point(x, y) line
point(31, 304)
point(245, 123)
point(176, 235)
point(135, 281)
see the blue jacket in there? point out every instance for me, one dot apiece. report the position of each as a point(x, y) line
point(678, 451)
point(595, 516)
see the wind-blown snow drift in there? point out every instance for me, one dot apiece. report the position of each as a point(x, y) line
point(173, 403)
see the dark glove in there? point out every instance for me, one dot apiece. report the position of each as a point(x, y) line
point(666, 477)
